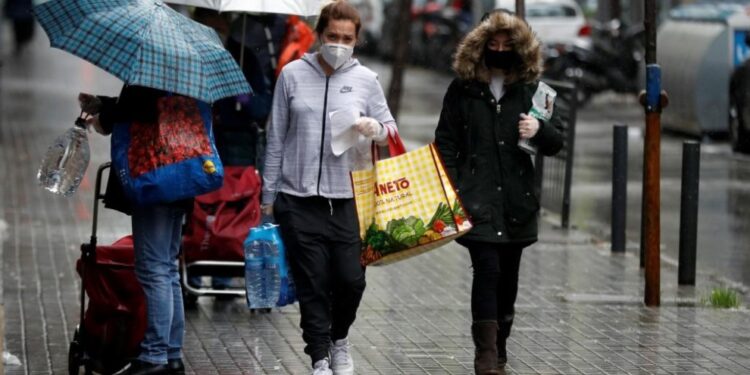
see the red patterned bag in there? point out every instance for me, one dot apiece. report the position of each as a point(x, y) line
point(221, 220)
point(172, 159)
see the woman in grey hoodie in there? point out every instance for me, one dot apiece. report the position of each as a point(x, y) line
point(306, 186)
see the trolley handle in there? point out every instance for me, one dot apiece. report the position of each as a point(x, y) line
point(88, 249)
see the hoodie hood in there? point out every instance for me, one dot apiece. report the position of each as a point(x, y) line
point(312, 60)
point(468, 61)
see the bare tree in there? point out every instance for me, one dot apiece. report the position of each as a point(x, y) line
point(401, 44)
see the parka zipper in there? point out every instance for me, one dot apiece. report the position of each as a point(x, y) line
point(323, 135)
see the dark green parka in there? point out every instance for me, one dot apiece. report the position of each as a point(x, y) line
point(477, 137)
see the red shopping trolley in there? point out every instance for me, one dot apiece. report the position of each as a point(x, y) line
point(213, 240)
point(113, 324)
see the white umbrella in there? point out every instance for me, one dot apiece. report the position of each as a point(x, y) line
point(298, 7)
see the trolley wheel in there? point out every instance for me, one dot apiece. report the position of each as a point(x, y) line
point(75, 355)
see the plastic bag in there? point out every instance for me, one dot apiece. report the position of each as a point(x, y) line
point(267, 237)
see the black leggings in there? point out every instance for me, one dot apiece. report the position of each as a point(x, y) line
point(495, 285)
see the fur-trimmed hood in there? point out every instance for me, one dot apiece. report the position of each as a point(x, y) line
point(468, 61)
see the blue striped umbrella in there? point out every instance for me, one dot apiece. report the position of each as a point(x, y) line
point(144, 43)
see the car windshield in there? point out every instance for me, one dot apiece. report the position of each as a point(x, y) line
point(549, 10)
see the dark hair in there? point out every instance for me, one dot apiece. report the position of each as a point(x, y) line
point(338, 10)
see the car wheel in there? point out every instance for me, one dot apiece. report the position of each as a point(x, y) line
point(739, 136)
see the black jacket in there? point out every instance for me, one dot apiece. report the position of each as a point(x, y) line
point(477, 139)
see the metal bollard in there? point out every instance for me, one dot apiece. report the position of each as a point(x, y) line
point(691, 160)
point(619, 187)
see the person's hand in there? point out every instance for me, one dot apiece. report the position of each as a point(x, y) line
point(93, 122)
point(528, 126)
point(266, 214)
point(369, 127)
point(89, 103)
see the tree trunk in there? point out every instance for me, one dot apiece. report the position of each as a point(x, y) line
point(401, 42)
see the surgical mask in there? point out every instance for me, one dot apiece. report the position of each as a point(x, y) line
point(501, 59)
point(336, 54)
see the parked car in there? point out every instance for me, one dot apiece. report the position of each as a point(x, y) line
point(555, 22)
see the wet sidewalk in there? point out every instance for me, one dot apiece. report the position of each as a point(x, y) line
point(579, 308)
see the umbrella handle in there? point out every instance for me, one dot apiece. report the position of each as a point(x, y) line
point(271, 49)
point(237, 104)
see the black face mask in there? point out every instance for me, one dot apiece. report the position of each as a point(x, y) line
point(501, 59)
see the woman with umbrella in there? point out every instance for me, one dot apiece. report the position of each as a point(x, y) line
point(144, 44)
point(306, 186)
point(157, 233)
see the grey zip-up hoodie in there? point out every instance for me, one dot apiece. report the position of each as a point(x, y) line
point(299, 158)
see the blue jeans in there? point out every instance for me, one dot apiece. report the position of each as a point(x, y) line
point(157, 236)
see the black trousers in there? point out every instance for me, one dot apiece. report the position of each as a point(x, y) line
point(322, 239)
point(495, 285)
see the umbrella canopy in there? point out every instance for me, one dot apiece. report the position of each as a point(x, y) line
point(144, 43)
point(298, 7)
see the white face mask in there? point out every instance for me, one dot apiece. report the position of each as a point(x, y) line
point(336, 54)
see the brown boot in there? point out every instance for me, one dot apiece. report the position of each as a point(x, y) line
point(485, 355)
point(503, 331)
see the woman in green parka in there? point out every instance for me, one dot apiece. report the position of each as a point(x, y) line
point(485, 113)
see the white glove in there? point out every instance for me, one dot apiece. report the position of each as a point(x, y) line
point(528, 126)
point(370, 128)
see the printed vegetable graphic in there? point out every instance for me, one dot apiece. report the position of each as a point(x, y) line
point(442, 214)
point(376, 238)
point(405, 233)
point(438, 226)
point(458, 213)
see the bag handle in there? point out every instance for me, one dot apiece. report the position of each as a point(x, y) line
point(438, 161)
point(395, 147)
point(435, 161)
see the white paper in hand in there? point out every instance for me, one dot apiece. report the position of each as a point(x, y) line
point(343, 133)
point(543, 102)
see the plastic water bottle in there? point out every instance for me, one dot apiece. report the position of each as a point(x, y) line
point(272, 272)
point(66, 161)
point(254, 275)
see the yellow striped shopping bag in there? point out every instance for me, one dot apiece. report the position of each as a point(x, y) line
point(406, 205)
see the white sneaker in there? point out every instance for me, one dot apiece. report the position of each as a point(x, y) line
point(322, 367)
point(341, 359)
